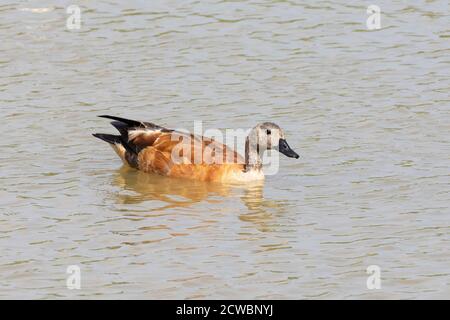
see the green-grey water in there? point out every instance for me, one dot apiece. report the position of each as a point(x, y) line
point(368, 111)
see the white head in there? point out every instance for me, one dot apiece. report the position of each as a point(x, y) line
point(266, 136)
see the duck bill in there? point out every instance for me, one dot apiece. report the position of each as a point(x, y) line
point(284, 148)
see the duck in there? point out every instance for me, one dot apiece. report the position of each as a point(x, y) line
point(151, 148)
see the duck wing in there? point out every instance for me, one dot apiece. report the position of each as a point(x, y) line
point(151, 147)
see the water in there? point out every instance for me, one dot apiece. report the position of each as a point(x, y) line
point(368, 111)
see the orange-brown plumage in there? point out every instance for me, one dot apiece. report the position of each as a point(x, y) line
point(196, 164)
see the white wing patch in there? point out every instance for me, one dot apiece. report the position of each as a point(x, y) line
point(137, 132)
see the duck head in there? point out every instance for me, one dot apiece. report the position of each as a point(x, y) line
point(267, 136)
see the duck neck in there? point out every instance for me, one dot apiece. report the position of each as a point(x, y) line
point(253, 160)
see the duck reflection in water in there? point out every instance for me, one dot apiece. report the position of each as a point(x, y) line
point(140, 187)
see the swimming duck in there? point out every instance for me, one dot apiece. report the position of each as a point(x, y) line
point(152, 148)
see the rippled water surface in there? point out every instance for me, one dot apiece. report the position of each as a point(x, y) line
point(368, 111)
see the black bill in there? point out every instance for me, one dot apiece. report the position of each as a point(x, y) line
point(284, 148)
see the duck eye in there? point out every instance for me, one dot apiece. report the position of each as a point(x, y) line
point(268, 131)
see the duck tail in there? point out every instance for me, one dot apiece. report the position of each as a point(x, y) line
point(110, 138)
point(129, 122)
point(121, 147)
